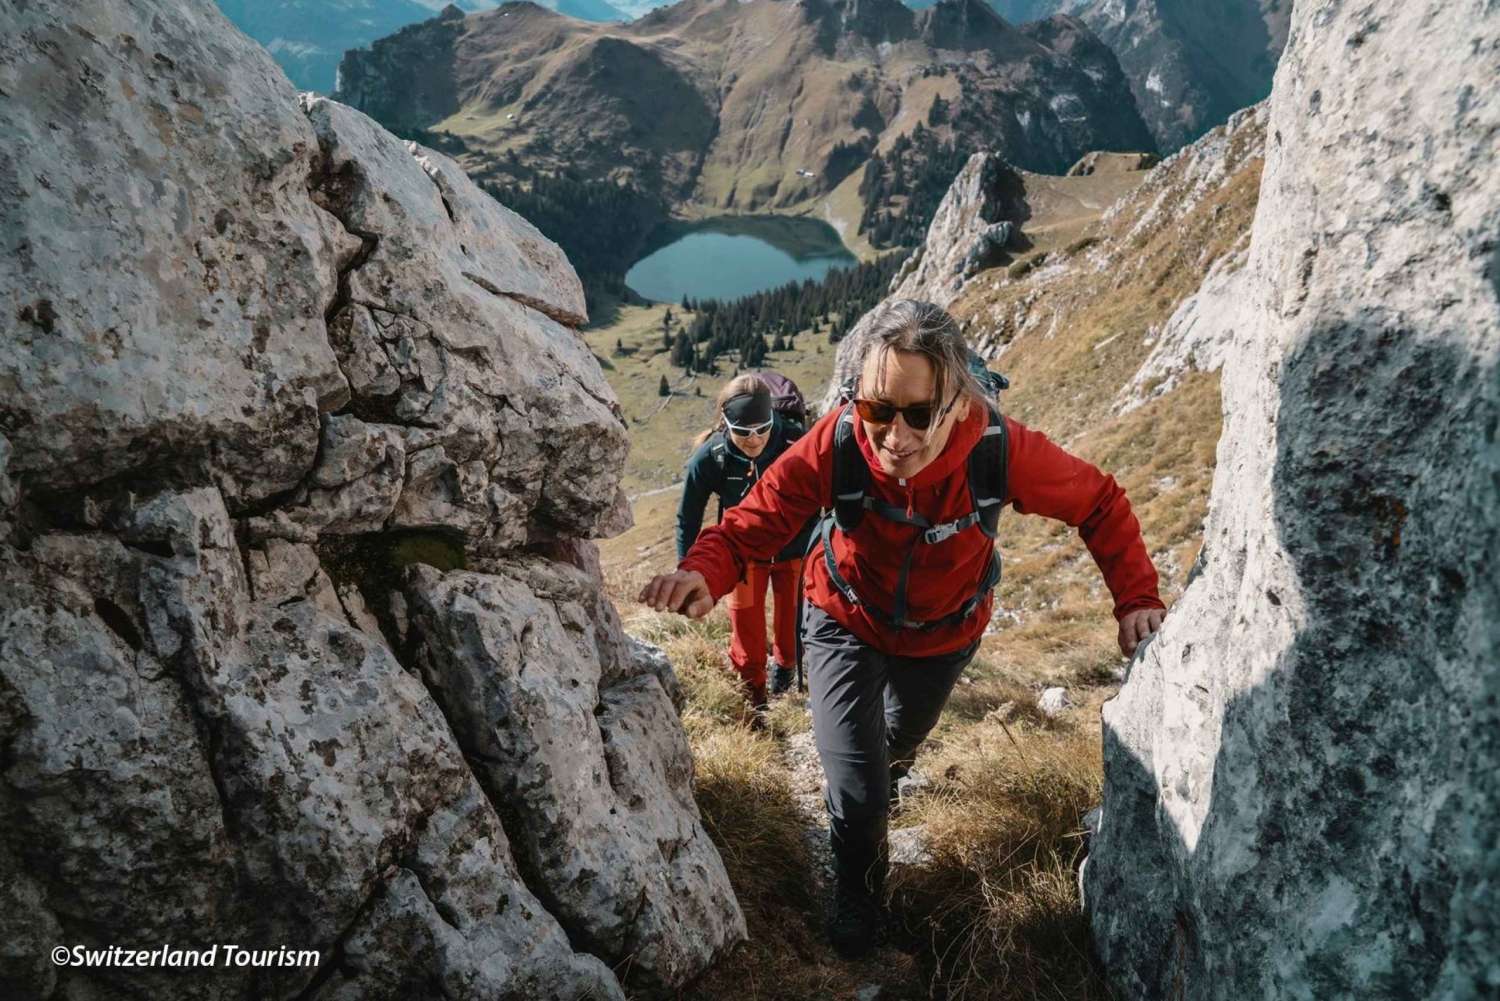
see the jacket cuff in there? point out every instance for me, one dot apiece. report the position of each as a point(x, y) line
point(1136, 604)
point(717, 587)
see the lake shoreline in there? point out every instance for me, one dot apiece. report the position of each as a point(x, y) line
point(731, 256)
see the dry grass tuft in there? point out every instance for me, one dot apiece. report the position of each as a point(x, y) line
point(995, 904)
point(749, 809)
point(750, 812)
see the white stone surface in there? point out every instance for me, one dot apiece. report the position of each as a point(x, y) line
point(1301, 791)
point(1054, 701)
point(604, 798)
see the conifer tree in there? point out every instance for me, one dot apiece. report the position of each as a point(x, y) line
point(938, 114)
point(665, 388)
point(682, 351)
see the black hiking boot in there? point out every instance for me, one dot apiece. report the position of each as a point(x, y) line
point(782, 679)
point(853, 921)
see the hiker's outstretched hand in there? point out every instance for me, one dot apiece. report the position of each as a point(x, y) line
point(1137, 625)
point(681, 591)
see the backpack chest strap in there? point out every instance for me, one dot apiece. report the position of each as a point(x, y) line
point(934, 533)
point(898, 619)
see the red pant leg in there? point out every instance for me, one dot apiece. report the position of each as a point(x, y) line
point(747, 618)
point(784, 578)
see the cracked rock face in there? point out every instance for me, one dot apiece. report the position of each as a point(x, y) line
point(256, 356)
point(982, 196)
point(600, 784)
point(1301, 795)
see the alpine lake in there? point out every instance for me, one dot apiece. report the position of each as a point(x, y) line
point(727, 257)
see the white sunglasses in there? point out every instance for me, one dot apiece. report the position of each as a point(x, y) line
point(749, 432)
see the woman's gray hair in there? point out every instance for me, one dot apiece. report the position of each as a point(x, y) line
point(916, 327)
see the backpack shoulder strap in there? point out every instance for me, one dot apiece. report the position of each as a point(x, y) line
point(851, 476)
point(719, 450)
point(988, 467)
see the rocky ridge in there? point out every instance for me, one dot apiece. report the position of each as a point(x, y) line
point(1191, 63)
point(264, 361)
point(309, 37)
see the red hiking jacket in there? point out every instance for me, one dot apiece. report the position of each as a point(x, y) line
point(1042, 479)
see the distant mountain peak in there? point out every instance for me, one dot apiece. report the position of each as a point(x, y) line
point(964, 25)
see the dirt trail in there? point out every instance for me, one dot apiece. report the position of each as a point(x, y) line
point(907, 844)
point(801, 754)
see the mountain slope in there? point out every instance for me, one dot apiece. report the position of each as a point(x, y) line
point(745, 106)
point(1192, 63)
point(309, 37)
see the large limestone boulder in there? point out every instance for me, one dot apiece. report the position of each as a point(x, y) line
point(1302, 772)
point(256, 355)
point(600, 784)
point(196, 767)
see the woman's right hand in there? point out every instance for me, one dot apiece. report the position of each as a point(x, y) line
point(681, 591)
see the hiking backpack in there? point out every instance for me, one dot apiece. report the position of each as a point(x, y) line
point(987, 468)
point(786, 398)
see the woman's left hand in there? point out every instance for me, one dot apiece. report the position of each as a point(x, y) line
point(1137, 625)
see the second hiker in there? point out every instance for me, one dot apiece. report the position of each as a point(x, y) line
point(748, 435)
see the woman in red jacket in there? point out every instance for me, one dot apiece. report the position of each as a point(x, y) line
point(901, 591)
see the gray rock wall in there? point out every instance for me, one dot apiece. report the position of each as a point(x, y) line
point(1301, 794)
point(257, 356)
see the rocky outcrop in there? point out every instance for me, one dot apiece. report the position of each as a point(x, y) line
point(1191, 63)
point(1300, 772)
point(599, 783)
point(259, 355)
point(985, 194)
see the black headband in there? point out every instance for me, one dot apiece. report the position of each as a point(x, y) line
point(749, 410)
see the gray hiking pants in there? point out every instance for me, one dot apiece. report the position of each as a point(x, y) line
point(870, 712)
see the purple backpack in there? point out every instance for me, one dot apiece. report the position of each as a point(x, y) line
point(786, 398)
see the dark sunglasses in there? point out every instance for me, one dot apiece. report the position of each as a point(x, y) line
point(749, 432)
point(919, 416)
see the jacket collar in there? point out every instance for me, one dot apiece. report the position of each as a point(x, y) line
point(961, 441)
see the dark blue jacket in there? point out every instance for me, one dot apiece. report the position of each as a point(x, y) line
point(719, 467)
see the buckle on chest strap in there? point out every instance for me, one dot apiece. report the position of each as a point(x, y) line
point(939, 533)
point(948, 529)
